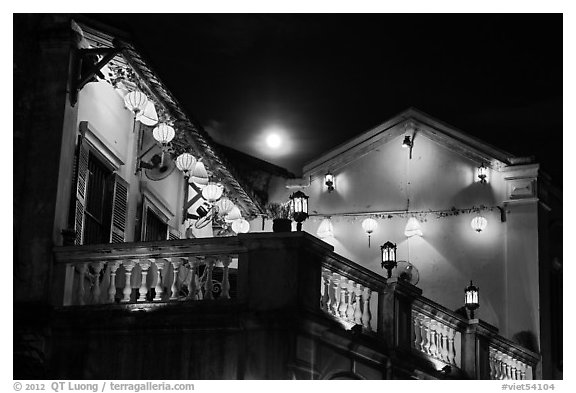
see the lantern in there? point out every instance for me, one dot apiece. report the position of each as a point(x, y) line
point(482, 173)
point(299, 207)
point(233, 215)
point(163, 133)
point(224, 206)
point(369, 225)
point(412, 228)
point(479, 223)
point(325, 229)
point(185, 163)
point(388, 251)
point(329, 181)
point(407, 142)
point(199, 175)
point(471, 300)
point(212, 192)
point(148, 116)
point(241, 226)
point(135, 101)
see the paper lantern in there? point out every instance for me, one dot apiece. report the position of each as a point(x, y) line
point(233, 215)
point(412, 228)
point(185, 163)
point(241, 226)
point(135, 101)
point(479, 223)
point(224, 206)
point(199, 175)
point(212, 192)
point(325, 229)
point(369, 225)
point(148, 116)
point(163, 133)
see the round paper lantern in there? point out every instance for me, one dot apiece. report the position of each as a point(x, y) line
point(199, 175)
point(148, 116)
point(185, 163)
point(479, 223)
point(233, 215)
point(241, 226)
point(412, 228)
point(136, 101)
point(212, 192)
point(163, 133)
point(325, 229)
point(224, 206)
point(369, 225)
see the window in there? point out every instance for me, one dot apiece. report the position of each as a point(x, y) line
point(98, 209)
point(156, 229)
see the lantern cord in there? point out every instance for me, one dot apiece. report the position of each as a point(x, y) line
point(368, 240)
point(383, 213)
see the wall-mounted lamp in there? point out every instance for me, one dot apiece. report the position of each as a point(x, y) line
point(329, 181)
point(471, 300)
point(299, 208)
point(369, 225)
point(407, 143)
point(413, 228)
point(479, 223)
point(388, 251)
point(482, 173)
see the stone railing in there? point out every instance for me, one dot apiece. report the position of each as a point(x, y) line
point(150, 272)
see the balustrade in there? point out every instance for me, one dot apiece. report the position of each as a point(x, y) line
point(506, 366)
point(434, 337)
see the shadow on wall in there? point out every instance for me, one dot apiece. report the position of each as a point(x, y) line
point(527, 339)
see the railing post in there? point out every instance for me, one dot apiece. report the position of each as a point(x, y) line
point(395, 313)
point(475, 349)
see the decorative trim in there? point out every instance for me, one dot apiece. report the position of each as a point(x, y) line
point(105, 152)
point(156, 202)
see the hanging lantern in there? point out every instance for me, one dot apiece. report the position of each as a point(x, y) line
point(136, 101)
point(325, 229)
point(224, 206)
point(412, 228)
point(369, 225)
point(388, 251)
point(199, 175)
point(212, 192)
point(163, 133)
point(482, 173)
point(148, 116)
point(329, 181)
point(241, 226)
point(185, 162)
point(233, 215)
point(299, 207)
point(407, 142)
point(471, 299)
point(479, 223)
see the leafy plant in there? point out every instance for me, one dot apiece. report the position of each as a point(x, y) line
point(275, 210)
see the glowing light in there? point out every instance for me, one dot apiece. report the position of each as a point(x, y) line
point(325, 229)
point(273, 140)
point(412, 228)
point(479, 224)
point(241, 226)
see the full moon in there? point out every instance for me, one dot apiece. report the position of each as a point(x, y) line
point(273, 141)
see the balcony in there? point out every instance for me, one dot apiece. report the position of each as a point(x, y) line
point(258, 306)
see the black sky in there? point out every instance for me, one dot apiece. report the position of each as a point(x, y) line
point(329, 77)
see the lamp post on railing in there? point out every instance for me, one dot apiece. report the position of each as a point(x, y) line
point(471, 298)
point(388, 251)
point(299, 207)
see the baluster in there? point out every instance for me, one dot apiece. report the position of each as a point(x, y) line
point(128, 266)
point(208, 285)
point(343, 292)
point(523, 368)
point(445, 356)
point(426, 343)
point(451, 346)
point(336, 291)
point(499, 366)
point(176, 262)
point(351, 299)
point(82, 269)
point(225, 280)
point(96, 292)
point(491, 360)
point(508, 362)
point(366, 315)
point(159, 289)
point(433, 345)
point(416, 318)
point(192, 289)
point(357, 305)
point(112, 288)
point(325, 298)
point(144, 266)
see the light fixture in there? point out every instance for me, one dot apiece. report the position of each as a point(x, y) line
point(329, 181)
point(185, 162)
point(412, 228)
point(224, 206)
point(233, 215)
point(407, 142)
point(388, 251)
point(479, 223)
point(241, 226)
point(199, 175)
point(369, 225)
point(325, 229)
point(212, 192)
point(163, 133)
point(299, 207)
point(135, 101)
point(148, 116)
point(482, 173)
point(471, 299)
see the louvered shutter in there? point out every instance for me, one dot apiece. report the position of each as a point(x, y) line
point(173, 234)
point(82, 178)
point(119, 210)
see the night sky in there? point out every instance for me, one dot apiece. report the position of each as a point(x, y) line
point(322, 79)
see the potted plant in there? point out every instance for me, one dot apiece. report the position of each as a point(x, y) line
point(280, 215)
